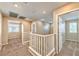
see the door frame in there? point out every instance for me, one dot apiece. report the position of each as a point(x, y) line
point(63, 10)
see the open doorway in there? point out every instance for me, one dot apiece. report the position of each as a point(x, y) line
point(69, 34)
point(14, 31)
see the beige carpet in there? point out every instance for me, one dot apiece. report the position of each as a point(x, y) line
point(15, 48)
point(70, 48)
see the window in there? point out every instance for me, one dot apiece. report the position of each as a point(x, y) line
point(13, 27)
point(73, 27)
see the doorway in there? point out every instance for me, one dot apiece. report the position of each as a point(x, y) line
point(14, 30)
point(69, 34)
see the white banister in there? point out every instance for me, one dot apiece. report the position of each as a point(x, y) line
point(42, 44)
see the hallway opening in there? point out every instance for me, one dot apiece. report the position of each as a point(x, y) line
point(69, 34)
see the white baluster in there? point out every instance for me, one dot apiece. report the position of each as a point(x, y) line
point(44, 46)
point(41, 45)
point(36, 42)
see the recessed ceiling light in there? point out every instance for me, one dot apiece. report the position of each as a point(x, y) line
point(44, 12)
point(15, 5)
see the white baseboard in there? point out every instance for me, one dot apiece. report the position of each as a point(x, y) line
point(72, 40)
point(5, 43)
point(24, 43)
point(2, 45)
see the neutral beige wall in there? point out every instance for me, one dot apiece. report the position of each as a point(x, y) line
point(14, 35)
point(40, 27)
point(62, 10)
point(4, 30)
point(61, 33)
point(26, 25)
point(26, 29)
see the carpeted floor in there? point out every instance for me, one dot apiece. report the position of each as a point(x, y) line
point(70, 48)
point(15, 48)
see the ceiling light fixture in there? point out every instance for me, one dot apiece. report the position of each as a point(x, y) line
point(44, 12)
point(15, 5)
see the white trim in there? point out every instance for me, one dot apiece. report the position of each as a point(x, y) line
point(72, 40)
point(24, 43)
point(67, 11)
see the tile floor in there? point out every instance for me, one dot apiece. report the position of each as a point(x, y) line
point(70, 48)
point(15, 48)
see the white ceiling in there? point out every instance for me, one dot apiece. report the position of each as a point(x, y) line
point(32, 9)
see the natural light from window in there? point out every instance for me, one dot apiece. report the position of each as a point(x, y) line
point(73, 27)
point(13, 27)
